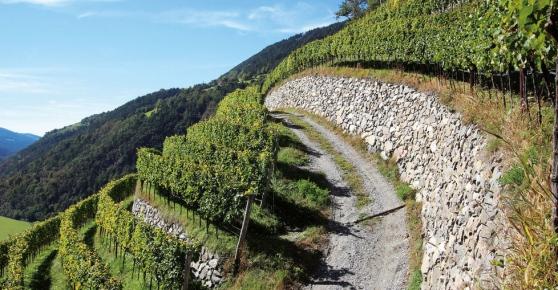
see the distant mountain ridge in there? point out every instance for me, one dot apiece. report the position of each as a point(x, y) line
point(71, 163)
point(13, 142)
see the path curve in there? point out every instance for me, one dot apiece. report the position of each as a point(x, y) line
point(358, 256)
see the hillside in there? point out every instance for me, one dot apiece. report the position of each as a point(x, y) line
point(12, 142)
point(11, 227)
point(266, 60)
point(412, 149)
point(70, 163)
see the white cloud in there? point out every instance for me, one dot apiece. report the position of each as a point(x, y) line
point(265, 11)
point(51, 3)
point(36, 2)
point(87, 14)
point(229, 19)
point(11, 82)
point(277, 18)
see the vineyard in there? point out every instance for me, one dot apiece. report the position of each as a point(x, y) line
point(224, 169)
point(219, 165)
point(83, 268)
point(494, 44)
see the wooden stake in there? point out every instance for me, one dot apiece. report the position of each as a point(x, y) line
point(243, 231)
point(186, 273)
point(554, 174)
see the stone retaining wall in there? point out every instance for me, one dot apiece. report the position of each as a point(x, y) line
point(440, 156)
point(209, 267)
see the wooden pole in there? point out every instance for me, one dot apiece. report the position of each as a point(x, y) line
point(263, 202)
point(554, 174)
point(537, 96)
point(243, 231)
point(522, 91)
point(186, 273)
point(503, 90)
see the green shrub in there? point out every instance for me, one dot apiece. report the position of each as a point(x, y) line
point(404, 191)
point(514, 176)
point(303, 192)
point(292, 156)
point(313, 193)
point(264, 219)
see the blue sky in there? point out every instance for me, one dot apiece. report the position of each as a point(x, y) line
point(63, 60)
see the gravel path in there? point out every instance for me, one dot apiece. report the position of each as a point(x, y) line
point(359, 256)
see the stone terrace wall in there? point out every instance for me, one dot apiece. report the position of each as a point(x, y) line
point(209, 267)
point(440, 156)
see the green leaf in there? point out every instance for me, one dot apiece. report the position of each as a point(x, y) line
point(524, 16)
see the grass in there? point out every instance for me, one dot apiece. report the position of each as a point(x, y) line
point(292, 156)
point(37, 274)
point(389, 169)
point(304, 192)
point(350, 173)
point(148, 114)
point(46, 271)
point(120, 270)
point(58, 280)
point(258, 279)
point(523, 141)
point(10, 227)
point(313, 237)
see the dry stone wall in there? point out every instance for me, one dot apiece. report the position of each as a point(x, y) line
point(441, 157)
point(208, 269)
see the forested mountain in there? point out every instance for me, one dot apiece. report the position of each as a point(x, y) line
point(12, 142)
point(70, 163)
point(269, 57)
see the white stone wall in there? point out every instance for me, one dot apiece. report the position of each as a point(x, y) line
point(208, 269)
point(440, 156)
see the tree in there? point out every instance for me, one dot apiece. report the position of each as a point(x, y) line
point(352, 8)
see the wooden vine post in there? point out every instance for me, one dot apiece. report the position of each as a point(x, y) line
point(243, 231)
point(186, 272)
point(522, 91)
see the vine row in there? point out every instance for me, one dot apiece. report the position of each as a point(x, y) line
point(17, 252)
point(219, 160)
point(154, 253)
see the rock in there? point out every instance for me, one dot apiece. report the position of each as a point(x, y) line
point(194, 265)
point(213, 263)
point(203, 272)
point(388, 147)
point(216, 279)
